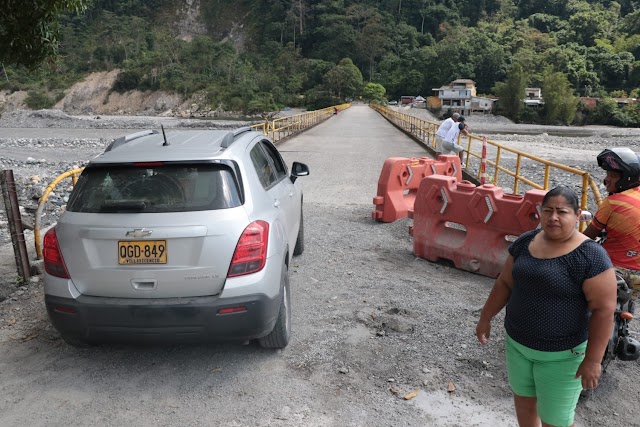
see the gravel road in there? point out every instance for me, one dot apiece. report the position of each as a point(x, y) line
point(381, 338)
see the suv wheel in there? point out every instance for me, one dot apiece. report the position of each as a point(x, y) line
point(299, 248)
point(279, 336)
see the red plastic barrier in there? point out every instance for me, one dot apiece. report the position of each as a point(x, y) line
point(468, 225)
point(400, 179)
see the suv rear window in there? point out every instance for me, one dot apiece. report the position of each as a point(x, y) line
point(154, 188)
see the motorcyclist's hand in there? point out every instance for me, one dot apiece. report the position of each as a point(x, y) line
point(483, 331)
point(590, 373)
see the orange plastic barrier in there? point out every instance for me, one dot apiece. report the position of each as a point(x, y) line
point(468, 225)
point(400, 179)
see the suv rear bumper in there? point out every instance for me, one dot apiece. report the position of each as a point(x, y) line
point(175, 320)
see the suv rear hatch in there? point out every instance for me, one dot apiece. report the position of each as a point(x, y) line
point(154, 230)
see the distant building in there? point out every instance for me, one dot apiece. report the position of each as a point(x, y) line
point(624, 102)
point(459, 96)
point(533, 97)
point(456, 96)
point(433, 102)
point(404, 100)
point(589, 102)
point(482, 104)
point(533, 92)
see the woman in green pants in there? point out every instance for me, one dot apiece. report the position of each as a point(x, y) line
point(559, 288)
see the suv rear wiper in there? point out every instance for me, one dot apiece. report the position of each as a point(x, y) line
point(123, 205)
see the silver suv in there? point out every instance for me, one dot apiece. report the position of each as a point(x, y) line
point(183, 236)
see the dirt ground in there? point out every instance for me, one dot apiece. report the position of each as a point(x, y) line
point(381, 338)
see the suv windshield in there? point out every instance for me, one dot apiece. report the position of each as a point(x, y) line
point(154, 188)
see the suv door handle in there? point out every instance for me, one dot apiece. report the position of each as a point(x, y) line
point(276, 203)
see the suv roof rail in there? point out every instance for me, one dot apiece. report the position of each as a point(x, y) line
point(241, 130)
point(228, 139)
point(124, 139)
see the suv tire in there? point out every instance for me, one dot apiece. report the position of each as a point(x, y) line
point(279, 336)
point(299, 248)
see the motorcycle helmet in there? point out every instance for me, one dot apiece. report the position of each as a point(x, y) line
point(624, 161)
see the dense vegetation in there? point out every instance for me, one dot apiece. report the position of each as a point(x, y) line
point(317, 52)
point(29, 32)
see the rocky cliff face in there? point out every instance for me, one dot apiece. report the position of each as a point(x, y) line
point(11, 101)
point(93, 96)
point(189, 22)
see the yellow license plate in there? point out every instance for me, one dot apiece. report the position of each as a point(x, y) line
point(142, 252)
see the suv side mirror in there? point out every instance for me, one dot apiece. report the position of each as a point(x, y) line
point(298, 169)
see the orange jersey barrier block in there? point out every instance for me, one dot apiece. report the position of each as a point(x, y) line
point(400, 179)
point(468, 225)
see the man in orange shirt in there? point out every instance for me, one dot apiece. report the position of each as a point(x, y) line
point(619, 213)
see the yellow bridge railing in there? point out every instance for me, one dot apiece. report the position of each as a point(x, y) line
point(73, 174)
point(285, 127)
point(425, 132)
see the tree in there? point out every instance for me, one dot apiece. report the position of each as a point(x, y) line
point(374, 92)
point(552, 7)
point(528, 45)
point(571, 60)
point(613, 68)
point(607, 112)
point(589, 25)
point(262, 103)
point(560, 105)
point(29, 32)
point(488, 57)
point(373, 42)
point(511, 92)
point(344, 79)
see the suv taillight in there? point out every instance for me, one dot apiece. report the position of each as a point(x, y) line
point(251, 251)
point(53, 261)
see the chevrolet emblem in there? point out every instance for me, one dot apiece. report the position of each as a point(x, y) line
point(138, 233)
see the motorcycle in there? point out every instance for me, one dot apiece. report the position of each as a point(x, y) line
point(620, 345)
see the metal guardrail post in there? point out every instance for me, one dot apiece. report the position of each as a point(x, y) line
point(16, 229)
point(45, 196)
point(518, 164)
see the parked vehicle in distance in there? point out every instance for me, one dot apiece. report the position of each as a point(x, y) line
point(393, 102)
point(180, 237)
point(405, 100)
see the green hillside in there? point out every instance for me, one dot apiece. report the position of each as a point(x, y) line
point(256, 55)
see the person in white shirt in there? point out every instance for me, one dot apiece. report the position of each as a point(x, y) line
point(442, 131)
point(450, 141)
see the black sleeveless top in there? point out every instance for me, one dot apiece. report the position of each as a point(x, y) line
point(548, 310)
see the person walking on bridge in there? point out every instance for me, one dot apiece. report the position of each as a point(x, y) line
point(442, 131)
point(450, 142)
